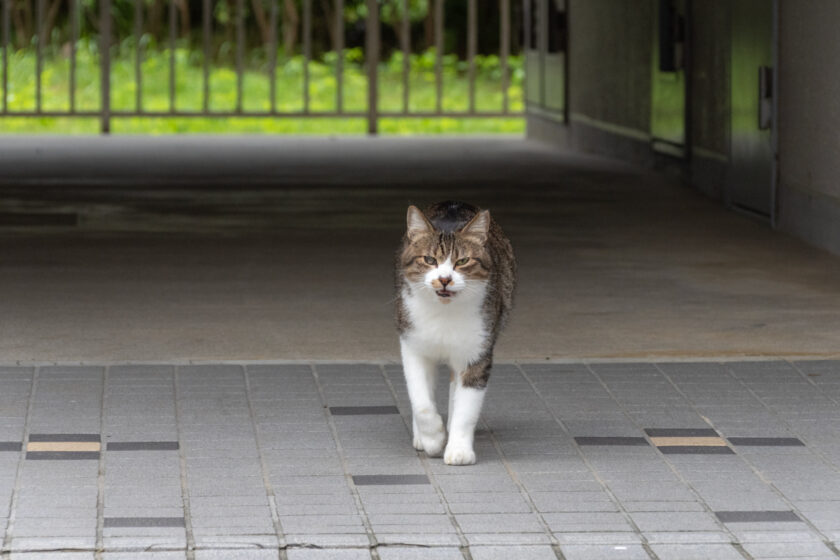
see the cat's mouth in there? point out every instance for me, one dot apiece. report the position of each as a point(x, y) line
point(444, 293)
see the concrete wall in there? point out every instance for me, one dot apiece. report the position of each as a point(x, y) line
point(808, 192)
point(610, 48)
point(709, 95)
point(609, 72)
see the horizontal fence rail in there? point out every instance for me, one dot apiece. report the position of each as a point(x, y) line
point(226, 50)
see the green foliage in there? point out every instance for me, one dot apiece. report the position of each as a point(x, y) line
point(223, 87)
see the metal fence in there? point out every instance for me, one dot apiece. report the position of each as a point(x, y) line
point(372, 48)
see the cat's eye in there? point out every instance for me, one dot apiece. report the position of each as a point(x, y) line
point(462, 262)
point(430, 261)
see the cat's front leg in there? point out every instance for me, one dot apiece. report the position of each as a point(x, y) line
point(420, 372)
point(470, 387)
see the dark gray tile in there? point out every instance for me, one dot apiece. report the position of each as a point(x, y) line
point(757, 516)
point(695, 450)
point(143, 446)
point(681, 432)
point(610, 440)
point(359, 410)
point(144, 522)
point(385, 479)
point(62, 455)
point(64, 437)
point(766, 441)
point(10, 446)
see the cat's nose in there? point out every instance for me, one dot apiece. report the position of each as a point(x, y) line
point(445, 280)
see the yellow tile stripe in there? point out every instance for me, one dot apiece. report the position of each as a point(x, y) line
point(688, 441)
point(63, 446)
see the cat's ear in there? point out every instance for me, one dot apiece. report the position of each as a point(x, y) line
point(479, 227)
point(416, 223)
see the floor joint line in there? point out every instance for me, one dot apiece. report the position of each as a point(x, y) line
point(348, 476)
point(185, 488)
point(13, 502)
point(100, 477)
point(269, 488)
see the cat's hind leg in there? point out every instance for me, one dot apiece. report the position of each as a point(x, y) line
point(466, 409)
point(420, 373)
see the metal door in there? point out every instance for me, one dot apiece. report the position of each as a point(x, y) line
point(668, 116)
point(750, 178)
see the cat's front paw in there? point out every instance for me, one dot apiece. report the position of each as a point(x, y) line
point(432, 444)
point(459, 454)
point(429, 434)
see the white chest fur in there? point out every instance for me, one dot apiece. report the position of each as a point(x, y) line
point(452, 332)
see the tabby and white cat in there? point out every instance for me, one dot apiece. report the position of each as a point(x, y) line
point(455, 278)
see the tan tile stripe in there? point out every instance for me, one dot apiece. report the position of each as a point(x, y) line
point(688, 441)
point(63, 446)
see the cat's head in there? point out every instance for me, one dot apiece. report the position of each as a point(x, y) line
point(449, 265)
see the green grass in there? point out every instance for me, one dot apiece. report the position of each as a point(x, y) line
point(189, 89)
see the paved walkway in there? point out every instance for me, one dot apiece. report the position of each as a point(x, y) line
point(734, 460)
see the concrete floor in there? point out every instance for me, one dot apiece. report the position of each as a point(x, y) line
point(281, 249)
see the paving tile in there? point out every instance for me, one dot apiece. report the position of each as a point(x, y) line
point(236, 554)
point(604, 552)
point(766, 441)
point(611, 440)
point(789, 550)
point(110, 522)
point(142, 446)
point(512, 553)
point(334, 554)
point(499, 523)
point(362, 410)
point(389, 480)
point(42, 555)
point(144, 555)
point(419, 553)
point(674, 521)
point(757, 516)
point(696, 552)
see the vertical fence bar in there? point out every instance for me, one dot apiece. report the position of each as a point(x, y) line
point(307, 50)
point(172, 22)
point(472, 47)
point(505, 48)
point(406, 52)
point(339, 52)
point(105, 64)
point(6, 55)
point(74, 38)
point(372, 61)
point(240, 52)
point(138, 55)
point(39, 45)
point(439, 56)
point(272, 58)
point(206, 10)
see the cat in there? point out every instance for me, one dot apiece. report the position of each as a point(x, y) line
point(455, 277)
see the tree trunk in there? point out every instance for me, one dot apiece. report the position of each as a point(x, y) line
point(330, 17)
point(49, 20)
point(23, 20)
point(155, 17)
point(184, 8)
point(429, 25)
point(262, 21)
point(290, 26)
